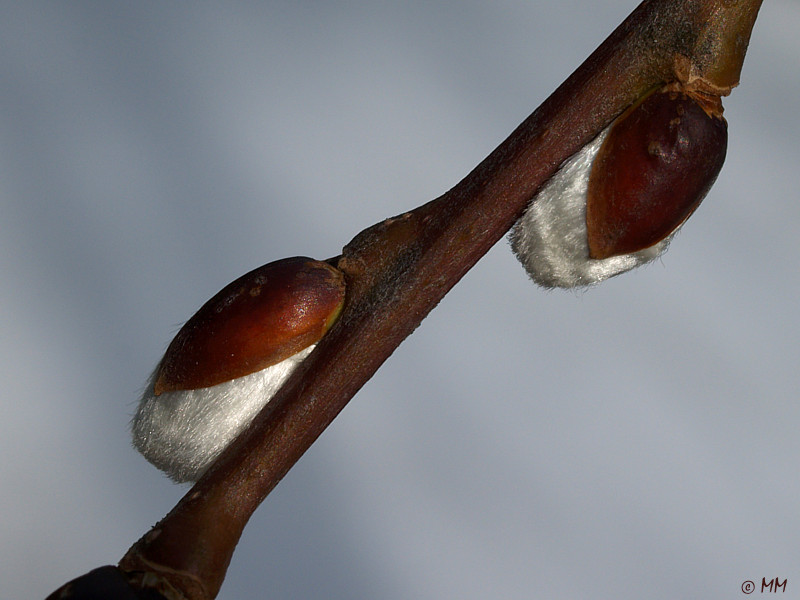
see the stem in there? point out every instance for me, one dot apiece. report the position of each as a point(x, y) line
point(398, 270)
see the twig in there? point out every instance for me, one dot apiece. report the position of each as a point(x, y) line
point(398, 270)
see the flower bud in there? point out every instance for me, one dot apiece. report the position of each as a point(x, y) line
point(616, 203)
point(653, 170)
point(230, 358)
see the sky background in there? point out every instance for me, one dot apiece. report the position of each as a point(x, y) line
point(639, 439)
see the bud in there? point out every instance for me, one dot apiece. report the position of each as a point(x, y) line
point(651, 173)
point(230, 358)
point(617, 202)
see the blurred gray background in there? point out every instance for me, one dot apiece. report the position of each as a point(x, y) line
point(639, 439)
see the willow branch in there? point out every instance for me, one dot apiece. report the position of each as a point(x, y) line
point(398, 270)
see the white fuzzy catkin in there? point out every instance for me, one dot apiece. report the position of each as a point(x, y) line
point(182, 432)
point(550, 239)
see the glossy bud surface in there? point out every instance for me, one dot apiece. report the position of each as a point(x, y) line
point(254, 322)
point(657, 163)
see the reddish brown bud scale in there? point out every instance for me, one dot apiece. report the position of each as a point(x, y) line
point(653, 170)
point(254, 322)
